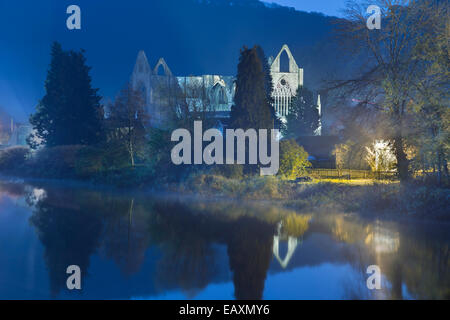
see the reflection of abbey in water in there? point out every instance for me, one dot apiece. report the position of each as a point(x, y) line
point(292, 243)
point(214, 93)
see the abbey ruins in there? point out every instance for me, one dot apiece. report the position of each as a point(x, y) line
point(214, 93)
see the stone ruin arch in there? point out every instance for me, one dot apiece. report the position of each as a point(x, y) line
point(162, 62)
point(155, 89)
point(293, 67)
point(285, 84)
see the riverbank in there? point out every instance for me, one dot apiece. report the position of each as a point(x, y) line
point(365, 197)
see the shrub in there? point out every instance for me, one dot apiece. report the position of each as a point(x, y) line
point(56, 162)
point(426, 201)
point(75, 162)
point(231, 171)
point(293, 160)
point(13, 159)
point(268, 188)
point(90, 162)
point(249, 188)
point(212, 184)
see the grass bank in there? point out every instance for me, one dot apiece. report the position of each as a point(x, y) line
point(365, 197)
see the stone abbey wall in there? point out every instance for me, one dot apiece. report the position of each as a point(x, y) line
point(285, 84)
point(214, 93)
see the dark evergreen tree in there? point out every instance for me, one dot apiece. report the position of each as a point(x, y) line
point(303, 118)
point(70, 112)
point(251, 107)
point(268, 85)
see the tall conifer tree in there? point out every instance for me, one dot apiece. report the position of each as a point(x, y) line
point(70, 112)
point(268, 85)
point(251, 107)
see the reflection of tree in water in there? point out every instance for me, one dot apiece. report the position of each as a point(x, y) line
point(69, 232)
point(73, 225)
point(186, 234)
point(185, 239)
point(250, 253)
point(421, 264)
point(125, 237)
point(405, 255)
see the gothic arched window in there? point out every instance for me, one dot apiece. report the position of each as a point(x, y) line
point(284, 62)
point(219, 94)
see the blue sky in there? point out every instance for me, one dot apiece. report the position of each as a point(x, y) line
point(328, 7)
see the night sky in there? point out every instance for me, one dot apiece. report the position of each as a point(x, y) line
point(28, 27)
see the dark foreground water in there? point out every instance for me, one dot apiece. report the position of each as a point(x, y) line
point(143, 247)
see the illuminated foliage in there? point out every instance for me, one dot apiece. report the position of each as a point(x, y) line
point(380, 156)
point(293, 160)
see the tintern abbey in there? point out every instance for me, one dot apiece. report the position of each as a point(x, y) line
point(214, 93)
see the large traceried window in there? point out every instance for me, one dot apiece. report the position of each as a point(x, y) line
point(282, 96)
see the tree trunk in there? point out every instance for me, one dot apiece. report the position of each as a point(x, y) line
point(402, 161)
point(445, 165)
point(439, 175)
point(130, 145)
point(132, 157)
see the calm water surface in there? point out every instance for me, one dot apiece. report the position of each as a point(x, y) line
point(143, 247)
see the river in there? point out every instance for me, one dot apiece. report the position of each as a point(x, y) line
point(142, 246)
